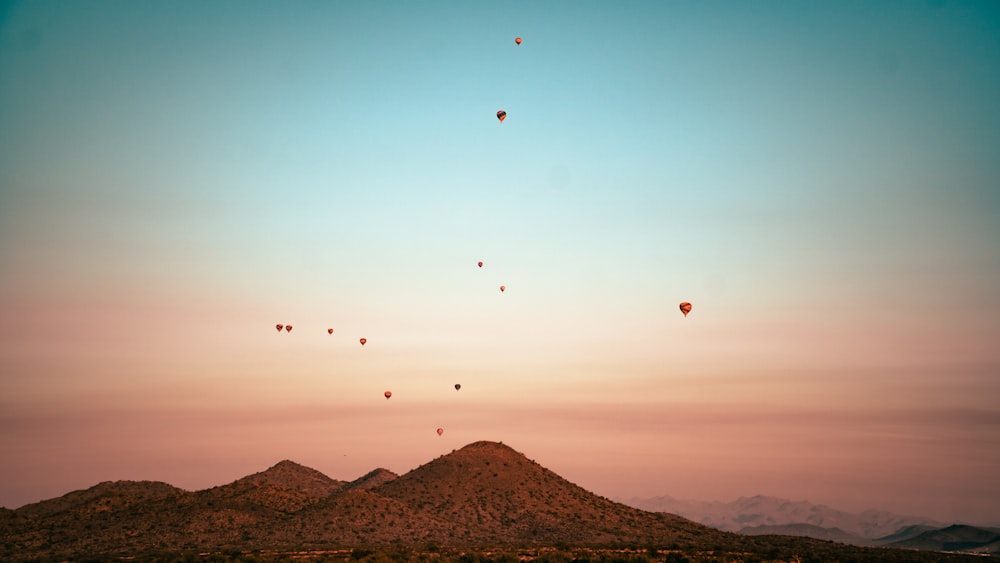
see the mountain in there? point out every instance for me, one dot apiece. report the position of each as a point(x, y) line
point(290, 475)
point(808, 531)
point(904, 534)
point(955, 538)
point(372, 479)
point(285, 487)
point(750, 512)
point(102, 497)
point(483, 497)
point(501, 497)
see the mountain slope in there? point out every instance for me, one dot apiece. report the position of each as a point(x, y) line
point(954, 538)
point(290, 475)
point(372, 479)
point(102, 497)
point(763, 510)
point(498, 496)
point(808, 531)
point(483, 496)
point(285, 487)
point(904, 534)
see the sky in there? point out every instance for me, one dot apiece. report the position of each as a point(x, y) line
point(819, 179)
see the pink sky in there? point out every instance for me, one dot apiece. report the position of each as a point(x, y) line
point(820, 183)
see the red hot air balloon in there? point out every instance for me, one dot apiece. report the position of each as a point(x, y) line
point(480, 263)
point(517, 40)
point(279, 326)
point(440, 431)
point(387, 395)
point(685, 308)
point(503, 288)
point(458, 386)
point(363, 340)
point(288, 328)
point(501, 115)
point(329, 331)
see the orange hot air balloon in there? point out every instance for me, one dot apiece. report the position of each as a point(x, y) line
point(480, 263)
point(279, 326)
point(501, 115)
point(458, 386)
point(329, 331)
point(363, 340)
point(288, 328)
point(517, 40)
point(387, 395)
point(440, 431)
point(685, 308)
point(503, 288)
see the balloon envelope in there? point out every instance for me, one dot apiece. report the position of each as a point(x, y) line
point(279, 326)
point(480, 264)
point(685, 308)
point(517, 40)
point(288, 328)
point(387, 394)
point(503, 288)
point(440, 431)
point(329, 331)
point(458, 386)
point(363, 340)
point(501, 115)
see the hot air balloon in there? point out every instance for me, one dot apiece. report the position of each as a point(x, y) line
point(440, 431)
point(685, 308)
point(480, 263)
point(329, 331)
point(288, 328)
point(363, 340)
point(503, 288)
point(279, 326)
point(501, 115)
point(517, 40)
point(458, 386)
point(387, 395)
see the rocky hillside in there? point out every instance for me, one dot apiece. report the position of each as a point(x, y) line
point(483, 497)
point(498, 496)
point(372, 479)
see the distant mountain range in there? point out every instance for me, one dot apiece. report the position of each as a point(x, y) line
point(483, 497)
point(764, 515)
point(751, 512)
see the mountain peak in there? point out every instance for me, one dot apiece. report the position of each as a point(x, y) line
point(286, 464)
point(483, 494)
point(290, 475)
point(372, 479)
point(501, 496)
point(485, 448)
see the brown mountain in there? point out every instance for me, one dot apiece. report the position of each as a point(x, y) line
point(495, 495)
point(290, 475)
point(102, 497)
point(372, 479)
point(285, 487)
point(483, 496)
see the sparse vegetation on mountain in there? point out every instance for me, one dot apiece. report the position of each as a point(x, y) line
point(485, 502)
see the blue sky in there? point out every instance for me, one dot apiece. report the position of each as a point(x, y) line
point(818, 178)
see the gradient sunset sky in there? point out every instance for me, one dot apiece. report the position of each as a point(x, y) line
point(821, 179)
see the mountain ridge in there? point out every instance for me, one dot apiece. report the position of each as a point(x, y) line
point(762, 510)
point(484, 496)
